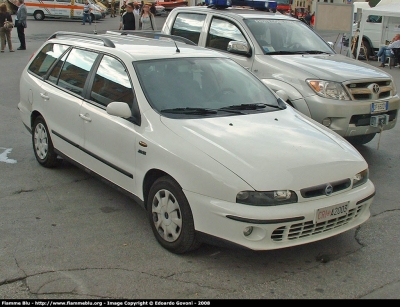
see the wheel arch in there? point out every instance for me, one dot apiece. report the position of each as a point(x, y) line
point(35, 114)
point(151, 176)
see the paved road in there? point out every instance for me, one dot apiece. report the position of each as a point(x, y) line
point(66, 235)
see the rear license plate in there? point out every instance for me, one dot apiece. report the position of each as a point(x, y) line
point(377, 107)
point(331, 212)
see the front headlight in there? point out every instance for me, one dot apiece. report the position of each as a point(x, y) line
point(360, 178)
point(266, 198)
point(328, 89)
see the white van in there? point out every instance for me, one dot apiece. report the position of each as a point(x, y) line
point(373, 27)
point(41, 9)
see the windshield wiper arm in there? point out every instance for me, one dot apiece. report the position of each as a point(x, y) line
point(190, 111)
point(249, 106)
point(316, 52)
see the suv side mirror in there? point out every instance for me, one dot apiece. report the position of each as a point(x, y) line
point(239, 47)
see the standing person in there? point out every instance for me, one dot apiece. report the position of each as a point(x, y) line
point(153, 9)
point(112, 7)
point(136, 8)
point(4, 32)
point(147, 21)
point(130, 20)
point(385, 51)
point(122, 11)
point(312, 21)
point(86, 13)
point(20, 23)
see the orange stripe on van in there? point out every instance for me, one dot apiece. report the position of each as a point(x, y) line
point(58, 6)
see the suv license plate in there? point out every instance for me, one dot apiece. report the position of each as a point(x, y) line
point(377, 107)
point(331, 212)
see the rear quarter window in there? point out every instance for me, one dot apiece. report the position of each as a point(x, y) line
point(188, 25)
point(46, 57)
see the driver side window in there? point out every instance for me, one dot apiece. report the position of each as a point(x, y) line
point(221, 33)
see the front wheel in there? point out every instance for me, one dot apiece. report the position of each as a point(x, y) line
point(170, 216)
point(361, 139)
point(42, 144)
point(38, 15)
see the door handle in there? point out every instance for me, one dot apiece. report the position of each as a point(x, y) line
point(44, 96)
point(85, 117)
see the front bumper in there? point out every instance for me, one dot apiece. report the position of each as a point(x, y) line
point(278, 226)
point(351, 118)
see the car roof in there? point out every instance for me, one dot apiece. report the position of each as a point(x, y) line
point(136, 44)
point(242, 12)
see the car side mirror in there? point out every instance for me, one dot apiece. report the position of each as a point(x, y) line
point(120, 109)
point(239, 47)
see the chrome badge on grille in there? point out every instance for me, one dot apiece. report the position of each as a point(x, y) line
point(328, 189)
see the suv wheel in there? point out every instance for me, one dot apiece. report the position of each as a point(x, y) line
point(42, 144)
point(170, 216)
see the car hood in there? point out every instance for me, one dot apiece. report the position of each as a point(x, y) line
point(334, 67)
point(274, 150)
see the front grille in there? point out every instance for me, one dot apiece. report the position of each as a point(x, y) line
point(365, 90)
point(319, 190)
point(308, 228)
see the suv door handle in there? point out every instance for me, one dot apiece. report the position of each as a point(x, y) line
point(44, 96)
point(85, 117)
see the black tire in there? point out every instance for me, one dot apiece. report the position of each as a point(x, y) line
point(170, 216)
point(42, 144)
point(38, 15)
point(361, 139)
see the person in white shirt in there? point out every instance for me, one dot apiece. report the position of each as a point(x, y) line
point(386, 51)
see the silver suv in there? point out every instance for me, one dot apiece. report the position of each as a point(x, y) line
point(352, 98)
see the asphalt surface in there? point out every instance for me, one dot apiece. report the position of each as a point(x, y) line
point(66, 235)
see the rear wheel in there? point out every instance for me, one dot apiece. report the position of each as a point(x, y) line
point(361, 139)
point(170, 216)
point(42, 144)
point(38, 15)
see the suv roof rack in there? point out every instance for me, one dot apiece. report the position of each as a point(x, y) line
point(107, 42)
point(152, 34)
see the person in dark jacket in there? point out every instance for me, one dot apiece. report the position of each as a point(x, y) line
point(130, 20)
point(21, 24)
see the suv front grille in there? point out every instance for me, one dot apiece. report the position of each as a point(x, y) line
point(365, 90)
point(308, 228)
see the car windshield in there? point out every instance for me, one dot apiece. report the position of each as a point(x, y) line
point(287, 37)
point(203, 87)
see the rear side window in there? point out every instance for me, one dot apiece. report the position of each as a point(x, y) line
point(221, 33)
point(111, 83)
point(188, 26)
point(75, 70)
point(46, 57)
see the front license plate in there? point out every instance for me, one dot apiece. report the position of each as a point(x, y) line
point(377, 107)
point(331, 212)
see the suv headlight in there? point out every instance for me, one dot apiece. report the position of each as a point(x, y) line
point(328, 89)
point(266, 198)
point(360, 178)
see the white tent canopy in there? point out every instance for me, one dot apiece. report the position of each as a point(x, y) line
point(386, 11)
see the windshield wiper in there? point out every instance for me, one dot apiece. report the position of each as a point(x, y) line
point(316, 52)
point(286, 52)
point(250, 106)
point(190, 111)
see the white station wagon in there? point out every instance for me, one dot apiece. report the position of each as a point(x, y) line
point(210, 152)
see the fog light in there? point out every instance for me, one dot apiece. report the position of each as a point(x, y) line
point(326, 122)
point(247, 231)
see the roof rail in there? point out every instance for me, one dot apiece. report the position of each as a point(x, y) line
point(107, 42)
point(152, 34)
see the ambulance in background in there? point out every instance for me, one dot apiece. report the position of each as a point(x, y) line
point(73, 9)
